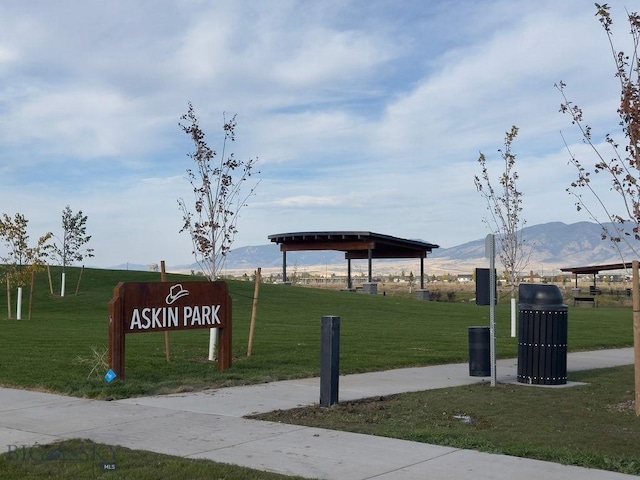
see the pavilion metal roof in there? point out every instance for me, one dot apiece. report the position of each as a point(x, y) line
point(356, 245)
point(595, 269)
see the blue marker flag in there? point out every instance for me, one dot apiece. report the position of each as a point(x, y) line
point(110, 376)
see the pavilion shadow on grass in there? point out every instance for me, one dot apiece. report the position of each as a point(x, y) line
point(356, 246)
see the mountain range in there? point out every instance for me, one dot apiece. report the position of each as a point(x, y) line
point(552, 246)
point(576, 244)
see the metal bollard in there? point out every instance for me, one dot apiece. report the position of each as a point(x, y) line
point(329, 361)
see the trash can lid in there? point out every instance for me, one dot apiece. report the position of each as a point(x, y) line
point(540, 294)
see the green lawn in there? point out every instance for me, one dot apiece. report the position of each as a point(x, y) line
point(80, 459)
point(53, 351)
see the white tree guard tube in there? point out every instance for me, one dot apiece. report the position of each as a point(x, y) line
point(64, 279)
point(213, 343)
point(19, 304)
point(513, 317)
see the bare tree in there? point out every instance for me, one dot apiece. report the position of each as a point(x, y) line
point(21, 259)
point(71, 247)
point(217, 182)
point(620, 164)
point(504, 203)
point(217, 193)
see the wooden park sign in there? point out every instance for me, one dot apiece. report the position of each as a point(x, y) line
point(166, 306)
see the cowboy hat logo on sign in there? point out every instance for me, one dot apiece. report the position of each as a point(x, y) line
point(176, 292)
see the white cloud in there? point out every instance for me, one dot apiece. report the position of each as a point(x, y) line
point(7, 55)
point(305, 201)
point(323, 56)
point(363, 118)
point(76, 122)
point(479, 91)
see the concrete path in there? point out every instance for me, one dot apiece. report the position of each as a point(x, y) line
point(209, 425)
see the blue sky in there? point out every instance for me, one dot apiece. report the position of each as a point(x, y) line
point(365, 115)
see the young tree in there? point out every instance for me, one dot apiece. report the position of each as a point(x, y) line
point(71, 247)
point(21, 259)
point(505, 206)
point(217, 193)
point(620, 165)
point(218, 198)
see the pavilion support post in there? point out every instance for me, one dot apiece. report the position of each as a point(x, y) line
point(284, 266)
point(421, 273)
point(349, 279)
point(370, 265)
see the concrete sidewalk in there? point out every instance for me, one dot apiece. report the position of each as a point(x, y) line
point(209, 425)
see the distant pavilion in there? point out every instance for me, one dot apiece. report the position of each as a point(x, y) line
point(595, 269)
point(356, 246)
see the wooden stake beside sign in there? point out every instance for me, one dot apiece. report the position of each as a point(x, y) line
point(50, 282)
point(167, 336)
point(8, 297)
point(167, 306)
point(254, 311)
point(79, 278)
point(33, 284)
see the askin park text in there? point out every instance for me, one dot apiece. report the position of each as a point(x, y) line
point(168, 316)
point(172, 317)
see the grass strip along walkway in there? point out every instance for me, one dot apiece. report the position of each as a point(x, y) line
point(592, 425)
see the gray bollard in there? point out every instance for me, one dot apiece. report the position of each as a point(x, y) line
point(329, 361)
